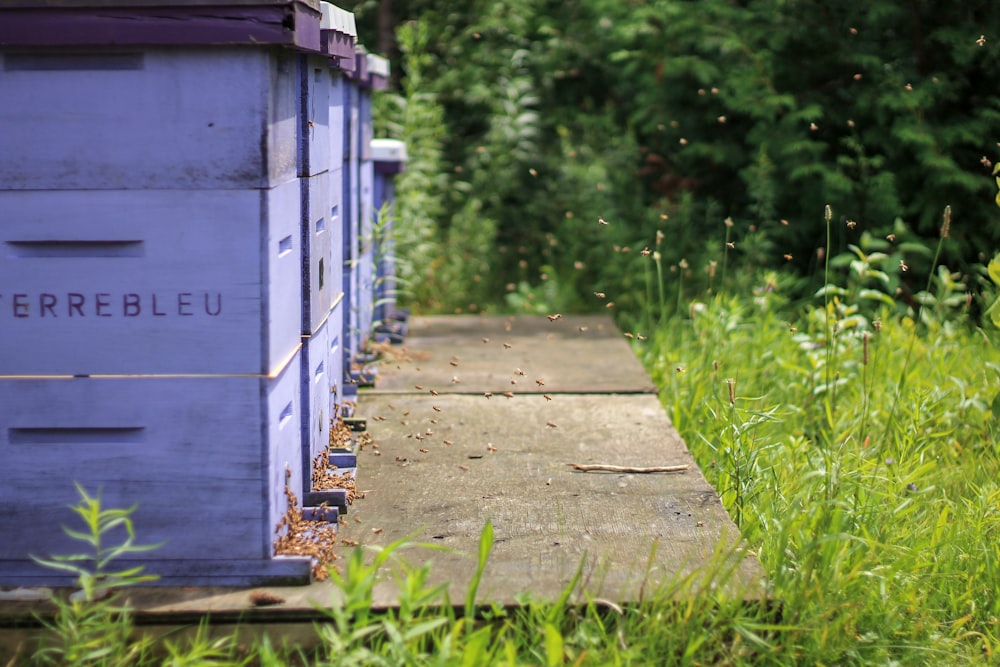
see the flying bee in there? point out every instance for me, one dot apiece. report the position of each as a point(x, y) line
point(490, 447)
point(507, 346)
point(486, 340)
point(600, 295)
point(602, 221)
point(434, 392)
point(629, 336)
point(376, 530)
point(424, 450)
point(508, 394)
point(553, 318)
point(464, 468)
point(547, 397)
point(519, 372)
point(436, 408)
point(418, 387)
point(448, 443)
point(550, 424)
point(488, 394)
point(540, 382)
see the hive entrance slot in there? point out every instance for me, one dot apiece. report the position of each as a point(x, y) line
point(85, 435)
point(76, 248)
point(72, 62)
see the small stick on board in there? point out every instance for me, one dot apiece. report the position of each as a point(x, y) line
point(599, 467)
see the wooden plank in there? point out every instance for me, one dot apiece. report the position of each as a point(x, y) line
point(320, 253)
point(582, 354)
point(224, 118)
point(317, 399)
point(276, 571)
point(185, 23)
point(154, 4)
point(507, 463)
point(314, 114)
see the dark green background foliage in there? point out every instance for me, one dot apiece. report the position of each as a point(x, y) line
point(552, 114)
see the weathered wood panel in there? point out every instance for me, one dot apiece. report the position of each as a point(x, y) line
point(187, 572)
point(149, 282)
point(317, 385)
point(318, 258)
point(216, 118)
point(314, 114)
point(366, 249)
point(337, 99)
point(335, 182)
point(580, 354)
point(507, 463)
point(202, 459)
point(351, 216)
point(335, 355)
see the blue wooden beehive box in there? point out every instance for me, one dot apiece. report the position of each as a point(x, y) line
point(170, 249)
point(322, 152)
point(370, 73)
point(388, 157)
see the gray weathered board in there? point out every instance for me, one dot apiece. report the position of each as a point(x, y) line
point(449, 458)
point(508, 464)
point(475, 354)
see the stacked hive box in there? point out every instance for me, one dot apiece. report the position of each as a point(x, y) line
point(388, 157)
point(322, 151)
point(371, 72)
point(169, 274)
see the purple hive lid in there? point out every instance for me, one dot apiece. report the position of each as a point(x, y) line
point(72, 23)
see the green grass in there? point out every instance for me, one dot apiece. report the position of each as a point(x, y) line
point(864, 474)
point(855, 447)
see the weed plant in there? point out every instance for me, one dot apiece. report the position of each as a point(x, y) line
point(858, 453)
point(853, 441)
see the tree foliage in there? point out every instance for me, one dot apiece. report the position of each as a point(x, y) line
point(672, 115)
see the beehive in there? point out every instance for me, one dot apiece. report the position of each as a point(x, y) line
point(170, 274)
point(388, 156)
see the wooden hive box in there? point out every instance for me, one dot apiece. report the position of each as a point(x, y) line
point(388, 157)
point(158, 222)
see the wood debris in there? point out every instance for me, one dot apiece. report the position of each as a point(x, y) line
point(601, 467)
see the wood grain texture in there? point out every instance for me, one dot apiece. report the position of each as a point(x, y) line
point(317, 399)
point(506, 465)
point(351, 217)
point(314, 114)
point(475, 351)
point(319, 252)
point(149, 282)
point(366, 249)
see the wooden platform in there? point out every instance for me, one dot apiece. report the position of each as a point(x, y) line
point(448, 459)
point(454, 452)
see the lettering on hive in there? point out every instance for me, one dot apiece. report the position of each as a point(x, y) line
point(50, 305)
